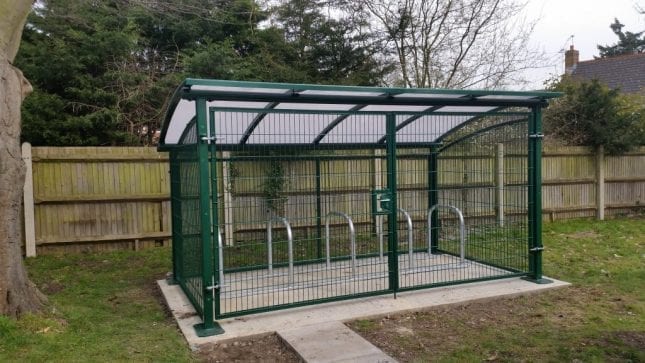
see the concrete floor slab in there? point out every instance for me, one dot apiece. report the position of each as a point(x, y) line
point(331, 342)
point(256, 289)
point(342, 311)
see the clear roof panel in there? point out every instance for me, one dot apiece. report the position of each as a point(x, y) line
point(429, 128)
point(340, 93)
point(428, 95)
point(314, 106)
point(332, 114)
point(278, 128)
point(230, 127)
point(394, 108)
point(357, 129)
point(249, 90)
point(462, 109)
point(181, 116)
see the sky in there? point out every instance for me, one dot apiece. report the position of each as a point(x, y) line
point(587, 20)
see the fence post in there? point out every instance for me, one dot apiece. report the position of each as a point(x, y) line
point(28, 201)
point(499, 184)
point(600, 183)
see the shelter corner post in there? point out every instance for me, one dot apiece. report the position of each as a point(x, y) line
point(535, 247)
point(175, 212)
point(208, 326)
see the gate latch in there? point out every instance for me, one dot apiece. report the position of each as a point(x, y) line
point(381, 202)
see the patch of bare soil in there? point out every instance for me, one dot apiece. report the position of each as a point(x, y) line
point(583, 234)
point(52, 287)
point(632, 339)
point(259, 348)
point(439, 331)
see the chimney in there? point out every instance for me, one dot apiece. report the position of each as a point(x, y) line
point(571, 58)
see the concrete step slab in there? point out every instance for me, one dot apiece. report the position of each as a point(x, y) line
point(332, 342)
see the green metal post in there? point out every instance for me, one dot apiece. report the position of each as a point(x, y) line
point(208, 326)
point(393, 260)
point(535, 197)
point(215, 212)
point(318, 212)
point(433, 195)
point(175, 211)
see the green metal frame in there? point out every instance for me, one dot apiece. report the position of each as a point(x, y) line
point(207, 148)
point(393, 240)
point(433, 193)
point(535, 197)
point(207, 180)
point(175, 208)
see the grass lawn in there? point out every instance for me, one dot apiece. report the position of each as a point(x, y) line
point(600, 318)
point(105, 307)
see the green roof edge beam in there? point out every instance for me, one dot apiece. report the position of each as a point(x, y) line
point(256, 121)
point(294, 87)
point(357, 100)
point(408, 121)
point(350, 112)
point(481, 131)
point(335, 123)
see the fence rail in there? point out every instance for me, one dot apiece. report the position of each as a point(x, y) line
point(103, 198)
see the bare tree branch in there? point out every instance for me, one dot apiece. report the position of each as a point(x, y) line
point(455, 43)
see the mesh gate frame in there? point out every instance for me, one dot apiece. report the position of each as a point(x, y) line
point(394, 272)
point(203, 146)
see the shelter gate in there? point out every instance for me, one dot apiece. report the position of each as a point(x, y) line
point(287, 195)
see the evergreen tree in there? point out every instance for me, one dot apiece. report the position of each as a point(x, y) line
point(69, 52)
point(331, 50)
point(591, 114)
point(103, 71)
point(628, 42)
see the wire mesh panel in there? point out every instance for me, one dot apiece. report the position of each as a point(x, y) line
point(296, 214)
point(187, 243)
point(467, 201)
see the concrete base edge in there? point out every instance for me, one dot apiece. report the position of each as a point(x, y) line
point(342, 311)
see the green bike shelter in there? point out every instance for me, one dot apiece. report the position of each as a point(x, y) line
point(286, 195)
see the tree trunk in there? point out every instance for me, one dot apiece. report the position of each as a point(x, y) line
point(18, 294)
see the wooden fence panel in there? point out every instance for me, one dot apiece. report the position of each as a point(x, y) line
point(625, 182)
point(98, 198)
point(103, 198)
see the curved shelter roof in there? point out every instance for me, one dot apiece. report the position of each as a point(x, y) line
point(334, 114)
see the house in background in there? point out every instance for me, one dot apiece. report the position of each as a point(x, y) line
point(626, 72)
